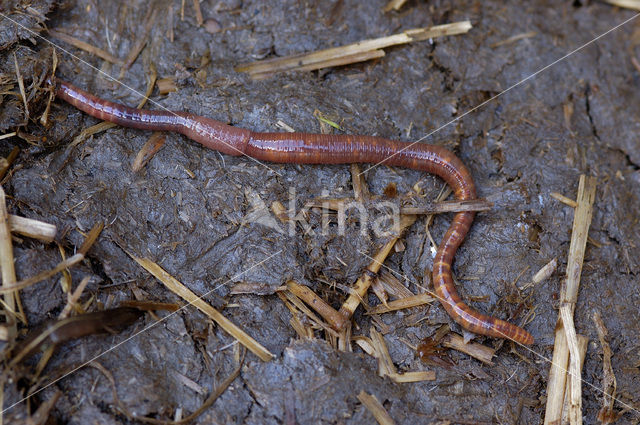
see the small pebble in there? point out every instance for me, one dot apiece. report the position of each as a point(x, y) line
point(212, 26)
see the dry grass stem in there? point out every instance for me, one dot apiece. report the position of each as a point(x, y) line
point(606, 415)
point(352, 52)
point(426, 208)
point(416, 376)
point(179, 289)
point(366, 344)
point(449, 206)
point(394, 5)
point(199, 18)
point(23, 94)
point(556, 382)
point(72, 298)
point(569, 295)
point(513, 39)
point(69, 262)
point(327, 312)
point(361, 286)
point(360, 188)
point(32, 228)
point(583, 342)
point(385, 364)
point(376, 408)
point(89, 48)
point(567, 201)
point(543, 274)
point(627, 4)
point(8, 270)
point(91, 238)
point(392, 285)
point(140, 42)
point(166, 85)
point(148, 150)
point(402, 303)
point(475, 350)
point(297, 302)
point(6, 163)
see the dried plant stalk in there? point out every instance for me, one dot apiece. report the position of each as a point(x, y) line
point(32, 228)
point(376, 408)
point(178, 288)
point(349, 53)
point(569, 296)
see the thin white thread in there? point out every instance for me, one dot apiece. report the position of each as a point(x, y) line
point(138, 333)
point(131, 89)
point(504, 336)
point(501, 93)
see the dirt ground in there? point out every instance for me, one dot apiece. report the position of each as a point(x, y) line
point(193, 210)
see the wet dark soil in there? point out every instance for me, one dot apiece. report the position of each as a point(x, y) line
point(193, 211)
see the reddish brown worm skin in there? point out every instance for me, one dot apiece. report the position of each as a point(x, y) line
point(305, 148)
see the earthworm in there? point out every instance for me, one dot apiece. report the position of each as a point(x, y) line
point(306, 148)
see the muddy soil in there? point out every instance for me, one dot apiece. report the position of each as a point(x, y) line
point(205, 217)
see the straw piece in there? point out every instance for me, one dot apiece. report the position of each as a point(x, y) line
point(23, 94)
point(581, 223)
point(543, 274)
point(361, 286)
point(583, 342)
point(556, 382)
point(327, 312)
point(449, 206)
point(360, 188)
point(91, 238)
point(64, 264)
point(402, 303)
point(417, 376)
point(627, 4)
point(153, 144)
point(513, 39)
point(329, 62)
point(72, 298)
point(392, 285)
point(569, 296)
point(323, 58)
point(567, 201)
point(32, 228)
point(385, 364)
point(394, 5)
point(8, 269)
point(178, 288)
point(423, 209)
point(475, 350)
point(82, 45)
point(140, 42)
point(376, 408)
point(607, 414)
point(297, 302)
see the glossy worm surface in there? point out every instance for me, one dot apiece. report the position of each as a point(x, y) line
point(305, 148)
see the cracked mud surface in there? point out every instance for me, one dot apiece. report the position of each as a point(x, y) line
point(190, 209)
